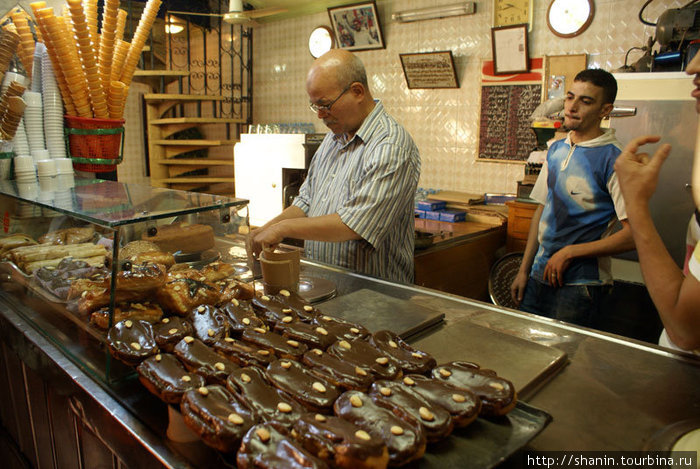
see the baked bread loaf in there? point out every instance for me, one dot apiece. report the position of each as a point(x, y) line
point(270, 446)
point(131, 342)
point(463, 405)
point(217, 416)
point(209, 323)
point(181, 237)
point(283, 347)
point(340, 443)
point(203, 360)
point(251, 386)
point(180, 295)
point(244, 353)
point(399, 399)
point(164, 376)
point(312, 391)
point(69, 236)
point(343, 374)
point(169, 331)
point(498, 396)
point(14, 241)
point(146, 311)
point(364, 355)
point(402, 434)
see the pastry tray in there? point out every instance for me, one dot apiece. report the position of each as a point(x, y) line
point(485, 443)
point(377, 311)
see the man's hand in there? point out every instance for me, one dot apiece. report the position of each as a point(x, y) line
point(638, 175)
point(557, 265)
point(265, 237)
point(517, 288)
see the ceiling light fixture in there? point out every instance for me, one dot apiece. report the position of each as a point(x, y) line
point(173, 28)
point(441, 11)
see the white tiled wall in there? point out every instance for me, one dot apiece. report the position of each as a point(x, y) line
point(444, 123)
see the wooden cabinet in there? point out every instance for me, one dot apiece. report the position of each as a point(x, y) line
point(519, 218)
point(460, 264)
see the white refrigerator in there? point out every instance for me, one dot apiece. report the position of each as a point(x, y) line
point(660, 104)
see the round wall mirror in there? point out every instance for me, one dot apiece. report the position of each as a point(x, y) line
point(569, 18)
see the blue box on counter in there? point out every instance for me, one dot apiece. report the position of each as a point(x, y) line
point(453, 215)
point(433, 214)
point(431, 205)
point(419, 213)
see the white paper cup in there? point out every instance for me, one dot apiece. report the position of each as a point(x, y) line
point(46, 168)
point(64, 165)
point(32, 98)
point(24, 163)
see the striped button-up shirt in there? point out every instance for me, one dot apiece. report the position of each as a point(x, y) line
point(370, 182)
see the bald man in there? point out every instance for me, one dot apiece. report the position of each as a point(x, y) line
point(355, 208)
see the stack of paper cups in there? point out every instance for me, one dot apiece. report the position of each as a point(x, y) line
point(53, 110)
point(21, 145)
point(28, 191)
point(65, 178)
point(34, 121)
point(24, 169)
point(47, 183)
point(39, 51)
point(38, 155)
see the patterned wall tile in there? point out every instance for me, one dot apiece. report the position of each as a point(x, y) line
point(444, 123)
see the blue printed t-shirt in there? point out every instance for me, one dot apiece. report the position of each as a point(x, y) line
point(581, 197)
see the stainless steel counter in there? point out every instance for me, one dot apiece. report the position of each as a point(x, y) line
point(612, 393)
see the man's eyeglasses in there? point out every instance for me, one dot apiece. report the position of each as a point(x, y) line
point(327, 107)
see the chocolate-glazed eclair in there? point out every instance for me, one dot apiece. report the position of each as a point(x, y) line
point(313, 392)
point(203, 360)
point(131, 341)
point(498, 396)
point(271, 310)
point(403, 436)
point(217, 416)
point(244, 353)
point(340, 442)
point(170, 331)
point(401, 399)
point(270, 445)
point(462, 404)
point(164, 376)
point(366, 356)
point(343, 374)
point(408, 358)
point(240, 316)
point(299, 305)
point(209, 323)
point(283, 347)
point(341, 330)
point(309, 334)
point(269, 403)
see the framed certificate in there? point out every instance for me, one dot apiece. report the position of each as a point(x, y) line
point(429, 70)
point(509, 47)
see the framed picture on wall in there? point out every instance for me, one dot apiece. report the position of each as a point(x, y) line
point(356, 26)
point(509, 47)
point(429, 70)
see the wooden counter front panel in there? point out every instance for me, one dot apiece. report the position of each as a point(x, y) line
point(519, 218)
point(462, 269)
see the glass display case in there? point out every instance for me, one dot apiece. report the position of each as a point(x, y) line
point(58, 250)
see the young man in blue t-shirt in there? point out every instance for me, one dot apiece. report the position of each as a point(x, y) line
point(565, 271)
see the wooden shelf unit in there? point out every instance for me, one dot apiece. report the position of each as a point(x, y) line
point(166, 169)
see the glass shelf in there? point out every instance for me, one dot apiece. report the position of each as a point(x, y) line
point(112, 204)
